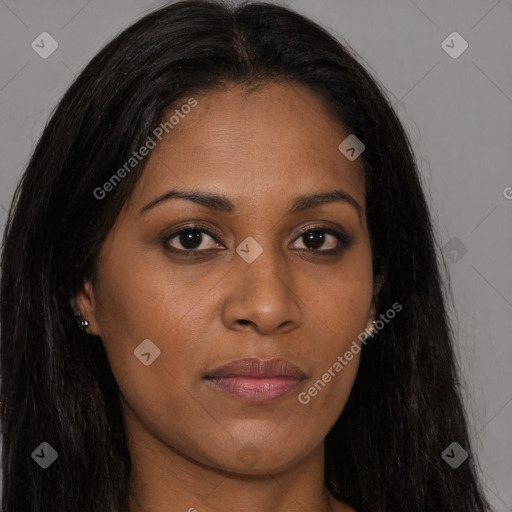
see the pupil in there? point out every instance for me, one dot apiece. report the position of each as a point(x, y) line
point(190, 239)
point(314, 238)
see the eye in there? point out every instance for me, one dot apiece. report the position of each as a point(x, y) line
point(332, 241)
point(195, 240)
point(191, 240)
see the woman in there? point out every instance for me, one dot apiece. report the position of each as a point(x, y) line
point(220, 288)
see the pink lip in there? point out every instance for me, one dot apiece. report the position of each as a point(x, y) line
point(256, 381)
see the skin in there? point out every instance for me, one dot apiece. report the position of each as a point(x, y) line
point(262, 149)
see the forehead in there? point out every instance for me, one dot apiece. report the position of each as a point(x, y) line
point(257, 146)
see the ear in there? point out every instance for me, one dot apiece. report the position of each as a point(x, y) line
point(84, 302)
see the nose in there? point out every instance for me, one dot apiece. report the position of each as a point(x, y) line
point(262, 297)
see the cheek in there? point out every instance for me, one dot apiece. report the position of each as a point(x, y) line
point(141, 299)
point(323, 399)
point(339, 313)
point(160, 398)
point(341, 297)
point(140, 294)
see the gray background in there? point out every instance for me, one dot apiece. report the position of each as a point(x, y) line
point(458, 112)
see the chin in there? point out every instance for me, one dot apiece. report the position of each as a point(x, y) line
point(250, 460)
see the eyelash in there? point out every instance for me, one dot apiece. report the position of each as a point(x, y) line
point(344, 240)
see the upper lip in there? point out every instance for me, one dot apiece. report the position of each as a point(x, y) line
point(253, 367)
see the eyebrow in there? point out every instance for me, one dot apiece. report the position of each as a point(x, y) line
point(223, 204)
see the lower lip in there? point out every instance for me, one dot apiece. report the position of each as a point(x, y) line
point(257, 390)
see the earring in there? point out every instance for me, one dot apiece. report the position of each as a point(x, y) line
point(82, 322)
point(372, 327)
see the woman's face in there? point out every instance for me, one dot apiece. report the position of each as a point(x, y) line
point(261, 289)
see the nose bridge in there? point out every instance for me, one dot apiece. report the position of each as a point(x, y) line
point(269, 272)
point(263, 291)
point(267, 278)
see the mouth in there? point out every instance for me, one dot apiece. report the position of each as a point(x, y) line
point(256, 381)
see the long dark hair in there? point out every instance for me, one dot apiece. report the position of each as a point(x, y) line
point(384, 452)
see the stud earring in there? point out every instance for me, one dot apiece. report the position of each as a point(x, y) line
point(82, 323)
